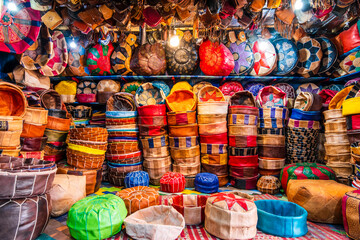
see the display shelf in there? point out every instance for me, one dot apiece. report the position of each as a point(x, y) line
point(341, 57)
point(197, 78)
point(346, 77)
point(91, 103)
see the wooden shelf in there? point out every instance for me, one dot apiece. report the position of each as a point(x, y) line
point(341, 57)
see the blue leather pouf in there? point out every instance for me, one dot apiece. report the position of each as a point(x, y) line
point(281, 218)
point(139, 178)
point(206, 183)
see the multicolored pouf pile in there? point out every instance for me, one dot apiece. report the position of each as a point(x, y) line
point(212, 115)
point(243, 151)
point(183, 131)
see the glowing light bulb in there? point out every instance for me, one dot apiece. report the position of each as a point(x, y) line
point(174, 41)
point(73, 44)
point(298, 5)
point(12, 6)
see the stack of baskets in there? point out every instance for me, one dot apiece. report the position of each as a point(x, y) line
point(150, 102)
point(25, 199)
point(81, 114)
point(212, 114)
point(302, 135)
point(337, 145)
point(13, 107)
point(273, 115)
point(184, 134)
point(123, 154)
point(243, 159)
point(57, 127)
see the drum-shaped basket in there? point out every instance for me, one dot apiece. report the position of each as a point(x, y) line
point(36, 115)
point(12, 100)
point(210, 94)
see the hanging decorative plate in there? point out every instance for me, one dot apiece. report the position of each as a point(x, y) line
point(98, 59)
point(163, 86)
point(351, 63)
point(76, 63)
point(120, 58)
point(330, 56)
point(130, 87)
point(38, 54)
point(265, 57)
point(182, 60)
point(254, 88)
point(308, 87)
point(287, 56)
point(310, 56)
point(199, 85)
point(243, 57)
point(230, 88)
point(19, 29)
point(57, 63)
point(148, 94)
point(286, 88)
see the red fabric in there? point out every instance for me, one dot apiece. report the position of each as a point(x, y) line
point(353, 122)
point(350, 38)
point(152, 110)
point(172, 182)
point(215, 59)
point(150, 120)
point(326, 95)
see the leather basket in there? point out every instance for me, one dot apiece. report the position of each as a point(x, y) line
point(217, 169)
point(292, 123)
point(211, 118)
point(271, 151)
point(86, 98)
point(213, 148)
point(152, 120)
point(244, 110)
point(242, 130)
point(242, 141)
point(337, 138)
point(33, 130)
point(59, 113)
point(243, 172)
point(35, 115)
point(50, 99)
point(55, 136)
point(332, 114)
point(187, 161)
point(10, 138)
point(184, 130)
point(336, 126)
point(152, 130)
point(354, 136)
point(181, 118)
point(183, 142)
point(341, 169)
point(274, 112)
point(152, 110)
point(156, 152)
point(185, 152)
point(242, 119)
point(156, 173)
point(212, 107)
point(154, 142)
point(11, 152)
point(13, 101)
point(11, 123)
point(269, 139)
point(338, 148)
point(212, 128)
point(33, 144)
point(271, 163)
point(59, 124)
point(214, 138)
point(214, 159)
point(187, 169)
point(243, 161)
point(271, 123)
point(338, 158)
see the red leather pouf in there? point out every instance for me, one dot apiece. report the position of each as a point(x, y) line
point(172, 182)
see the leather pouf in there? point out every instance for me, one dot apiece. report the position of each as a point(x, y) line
point(183, 59)
point(321, 198)
point(149, 60)
point(139, 178)
point(172, 182)
point(96, 217)
point(351, 213)
point(98, 59)
point(206, 183)
point(139, 197)
point(229, 216)
point(305, 171)
point(215, 59)
point(24, 218)
point(65, 191)
point(268, 184)
point(192, 207)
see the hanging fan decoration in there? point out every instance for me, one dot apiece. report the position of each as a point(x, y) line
point(98, 59)
point(19, 28)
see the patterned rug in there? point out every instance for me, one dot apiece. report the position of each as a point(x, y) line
point(58, 230)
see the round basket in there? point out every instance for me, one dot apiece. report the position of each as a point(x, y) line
point(13, 101)
point(11, 123)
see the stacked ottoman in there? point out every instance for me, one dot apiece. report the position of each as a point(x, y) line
point(212, 114)
point(243, 158)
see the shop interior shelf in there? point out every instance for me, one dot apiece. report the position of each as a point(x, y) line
point(341, 57)
point(91, 103)
point(346, 77)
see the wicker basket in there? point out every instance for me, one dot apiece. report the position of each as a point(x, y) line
point(90, 144)
point(336, 138)
point(84, 160)
point(338, 158)
point(11, 123)
point(341, 169)
point(336, 126)
point(339, 148)
point(96, 134)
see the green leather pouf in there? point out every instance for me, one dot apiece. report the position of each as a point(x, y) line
point(96, 217)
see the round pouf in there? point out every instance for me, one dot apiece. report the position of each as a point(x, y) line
point(172, 182)
point(351, 213)
point(206, 183)
point(229, 216)
point(268, 184)
point(139, 178)
point(96, 217)
point(139, 197)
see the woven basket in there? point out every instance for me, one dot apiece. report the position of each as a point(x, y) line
point(269, 139)
point(185, 152)
point(184, 130)
point(212, 128)
point(10, 152)
point(122, 147)
point(211, 118)
point(341, 169)
point(90, 144)
point(128, 158)
point(271, 164)
point(13, 101)
point(336, 138)
point(355, 158)
point(36, 115)
point(10, 138)
point(212, 108)
point(338, 148)
point(336, 126)
point(338, 158)
point(332, 114)
point(11, 123)
point(354, 136)
point(96, 134)
point(242, 130)
point(84, 160)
